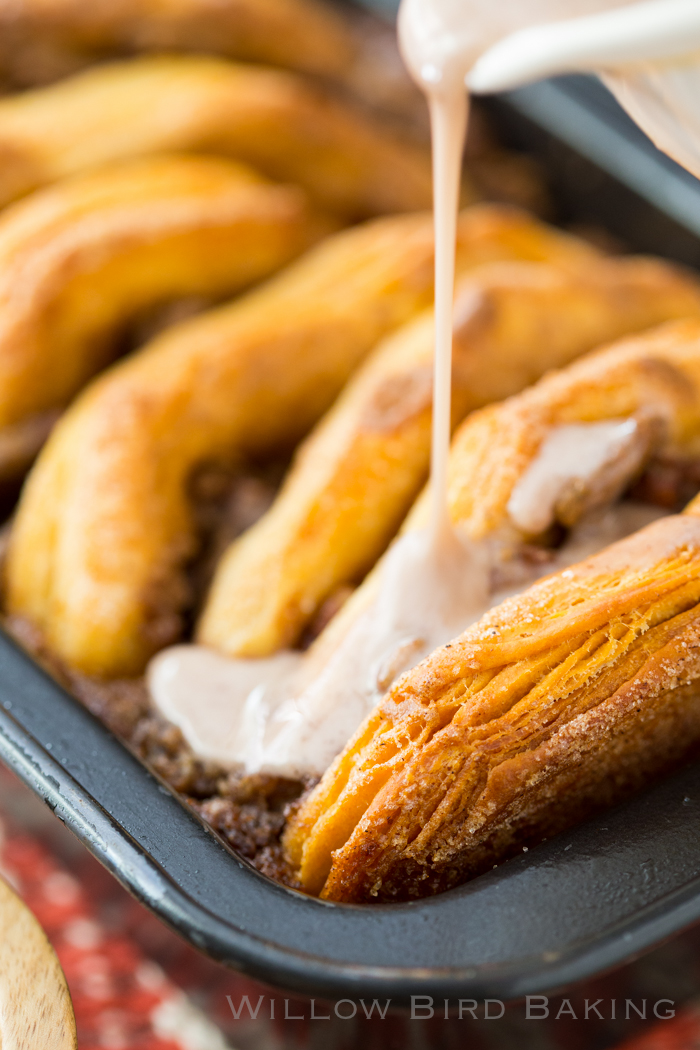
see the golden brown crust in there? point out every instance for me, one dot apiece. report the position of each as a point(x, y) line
point(355, 477)
point(81, 259)
point(574, 681)
point(290, 130)
point(105, 525)
point(240, 380)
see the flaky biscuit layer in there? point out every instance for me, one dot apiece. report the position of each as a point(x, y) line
point(532, 718)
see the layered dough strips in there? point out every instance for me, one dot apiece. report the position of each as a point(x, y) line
point(556, 702)
point(106, 527)
point(82, 259)
point(285, 126)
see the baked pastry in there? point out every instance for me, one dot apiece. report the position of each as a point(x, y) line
point(278, 122)
point(557, 701)
point(357, 474)
point(81, 259)
point(42, 39)
point(244, 379)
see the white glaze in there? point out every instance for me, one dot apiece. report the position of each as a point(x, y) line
point(575, 455)
point(424, 598)
point(602, 527)
point(648, 53)
point(626, 36)
point(221, 705)
point(592, 534)
point(288, 716)
point(442, 40)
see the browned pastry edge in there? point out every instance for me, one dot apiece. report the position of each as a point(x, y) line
point(559, 701)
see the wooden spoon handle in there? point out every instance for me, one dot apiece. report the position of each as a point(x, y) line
point(35, 1006)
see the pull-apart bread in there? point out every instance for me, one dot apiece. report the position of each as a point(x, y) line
point(83, 258)
point(106, 528)
point(357, 474)
point(288, 128)
point(562, 699)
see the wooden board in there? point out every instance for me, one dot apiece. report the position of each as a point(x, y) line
point(35, 1006)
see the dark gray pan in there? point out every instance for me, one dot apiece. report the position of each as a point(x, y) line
point(581, 903)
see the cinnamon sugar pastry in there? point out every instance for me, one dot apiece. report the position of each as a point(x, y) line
point(357, 474)
point(41, 39)
point(276, 121)
point(105, 526)
point(560, 700)
point(79, 260)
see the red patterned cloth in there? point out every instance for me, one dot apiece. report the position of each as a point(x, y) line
point(682, 1033)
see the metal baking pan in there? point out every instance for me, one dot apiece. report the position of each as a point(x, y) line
point(578, 904)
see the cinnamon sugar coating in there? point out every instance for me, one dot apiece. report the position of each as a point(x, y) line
point(557, 702)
